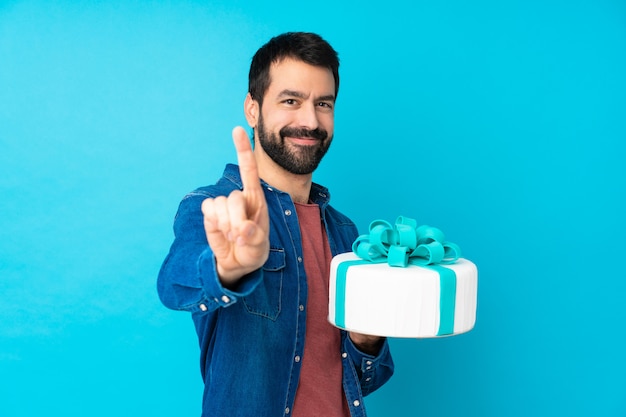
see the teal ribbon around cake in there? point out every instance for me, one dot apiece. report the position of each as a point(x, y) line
point(400, 245)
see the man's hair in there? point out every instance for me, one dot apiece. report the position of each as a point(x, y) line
point(303, 46)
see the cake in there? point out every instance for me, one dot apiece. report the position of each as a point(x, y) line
point(403, 281)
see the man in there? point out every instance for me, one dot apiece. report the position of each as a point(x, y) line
point(251, 255)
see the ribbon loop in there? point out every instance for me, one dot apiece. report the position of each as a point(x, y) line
point(398, 256)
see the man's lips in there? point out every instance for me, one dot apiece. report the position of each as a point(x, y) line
point(303, 141)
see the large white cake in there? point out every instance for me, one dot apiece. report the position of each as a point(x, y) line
point(431, 300)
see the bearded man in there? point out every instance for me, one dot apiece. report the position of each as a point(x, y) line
point(251, 255)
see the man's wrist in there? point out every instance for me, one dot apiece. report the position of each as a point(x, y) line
point(367, 343)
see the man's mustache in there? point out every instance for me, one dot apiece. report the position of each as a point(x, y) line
point(319, 134)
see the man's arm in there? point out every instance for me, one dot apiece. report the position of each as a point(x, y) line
point(220, 243)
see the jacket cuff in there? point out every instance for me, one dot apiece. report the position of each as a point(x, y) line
point(364, 363)
point(215, 294)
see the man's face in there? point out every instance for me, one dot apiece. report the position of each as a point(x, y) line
point(296, 121)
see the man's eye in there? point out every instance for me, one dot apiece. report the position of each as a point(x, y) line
point(290, 101)
point(325, 105)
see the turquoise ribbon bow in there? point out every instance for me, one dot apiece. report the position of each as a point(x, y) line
point(401, 245)
point(404, 244)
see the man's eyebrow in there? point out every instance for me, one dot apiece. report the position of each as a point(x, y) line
point(329, 97)
point(292, 93)
point(299, 94)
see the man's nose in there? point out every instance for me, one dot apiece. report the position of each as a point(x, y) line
point(307, 117)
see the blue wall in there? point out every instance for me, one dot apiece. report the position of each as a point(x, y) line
point(502, 123)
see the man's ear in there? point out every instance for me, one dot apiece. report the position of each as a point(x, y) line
point(251, 109)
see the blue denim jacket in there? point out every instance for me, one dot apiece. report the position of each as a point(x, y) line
point(252, 338)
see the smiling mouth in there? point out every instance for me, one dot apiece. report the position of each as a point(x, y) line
point(303, 141)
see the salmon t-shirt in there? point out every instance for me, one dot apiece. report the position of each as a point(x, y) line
point(320, 390)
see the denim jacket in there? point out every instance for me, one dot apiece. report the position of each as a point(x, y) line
point(252, 337)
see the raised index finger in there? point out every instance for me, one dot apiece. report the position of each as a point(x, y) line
point(247, 163)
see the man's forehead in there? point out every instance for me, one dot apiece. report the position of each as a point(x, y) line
point(294, 75)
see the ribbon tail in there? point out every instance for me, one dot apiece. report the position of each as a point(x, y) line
point(447, 299)
point(340, 290)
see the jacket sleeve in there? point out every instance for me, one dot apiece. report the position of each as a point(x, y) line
point(188, 277)
point(372, 371)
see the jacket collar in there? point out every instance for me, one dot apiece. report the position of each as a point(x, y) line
point(319, 194)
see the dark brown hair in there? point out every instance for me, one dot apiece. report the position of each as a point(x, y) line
point(303, 46)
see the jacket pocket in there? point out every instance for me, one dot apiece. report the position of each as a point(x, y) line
point(265, 300)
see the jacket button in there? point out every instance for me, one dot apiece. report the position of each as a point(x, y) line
point(344, 355)
point(225, 299)
point(356, 403)
point(297, 358)
point(287, 212)
point(203, 307)
point(287, 410)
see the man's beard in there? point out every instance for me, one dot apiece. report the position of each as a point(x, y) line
point(300, 161)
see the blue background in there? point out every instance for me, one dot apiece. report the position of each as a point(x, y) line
point(500, 122)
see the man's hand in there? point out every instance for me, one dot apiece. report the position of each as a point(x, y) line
point(237, 226)
point(367, 343)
